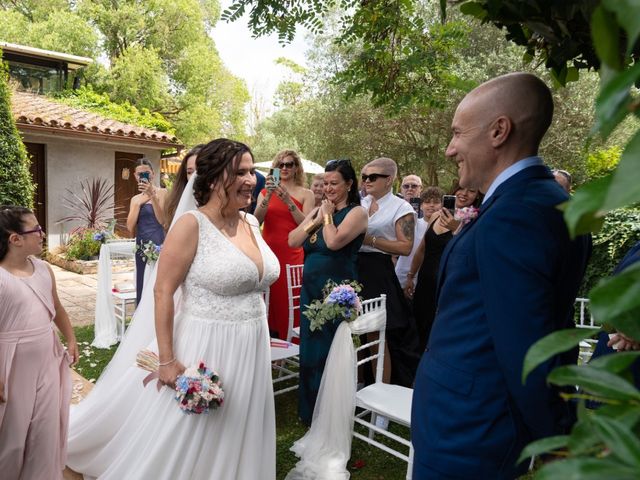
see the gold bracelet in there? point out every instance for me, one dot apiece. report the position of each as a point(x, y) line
point(164, 364)
point(328, 219)
point(309, 227)
point(373, 242)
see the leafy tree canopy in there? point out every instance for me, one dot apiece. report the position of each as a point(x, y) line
point(160, 56)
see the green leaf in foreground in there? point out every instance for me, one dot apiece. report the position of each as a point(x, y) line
point(543, 445)
point(614, 363)
point(619, 438)
point(552, 344)
point(595, 381)
point(616, 301)
point(583, 213)
point(586, 469)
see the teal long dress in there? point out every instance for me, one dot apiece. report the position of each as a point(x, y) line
point(320, 265)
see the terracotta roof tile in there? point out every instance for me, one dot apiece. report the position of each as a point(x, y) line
point(32, 109)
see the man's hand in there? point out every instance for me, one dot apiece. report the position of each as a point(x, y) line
point(622, 343)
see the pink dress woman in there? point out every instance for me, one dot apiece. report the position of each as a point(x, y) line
point(35, 371)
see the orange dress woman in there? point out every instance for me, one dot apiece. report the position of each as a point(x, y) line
point(281, 207)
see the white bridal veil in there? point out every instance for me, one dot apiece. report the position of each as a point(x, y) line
point(95, 419)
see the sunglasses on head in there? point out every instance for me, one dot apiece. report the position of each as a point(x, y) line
point(37, 229)
point(336, 162)
point(372, 177)
point(407, 186)
point(287, 165)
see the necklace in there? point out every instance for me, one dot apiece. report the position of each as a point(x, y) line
point(225, 227)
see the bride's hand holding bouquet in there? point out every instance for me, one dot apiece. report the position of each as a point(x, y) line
point(169, 371)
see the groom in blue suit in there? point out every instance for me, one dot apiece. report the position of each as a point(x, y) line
point(506, 280)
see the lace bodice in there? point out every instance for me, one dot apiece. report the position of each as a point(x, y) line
point(223, 283)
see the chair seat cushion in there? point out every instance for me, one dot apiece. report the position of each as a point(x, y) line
point(392, 401)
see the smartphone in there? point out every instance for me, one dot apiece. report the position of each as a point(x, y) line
point(275, 174)
point(415, 203)
point(449, 202)
point(144, 176)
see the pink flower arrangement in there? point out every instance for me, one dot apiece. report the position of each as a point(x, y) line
point(466, 214)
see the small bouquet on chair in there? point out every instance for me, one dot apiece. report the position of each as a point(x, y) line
point(198, 389)
point(341, 302)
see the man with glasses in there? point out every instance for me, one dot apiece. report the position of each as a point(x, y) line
point(411, 187)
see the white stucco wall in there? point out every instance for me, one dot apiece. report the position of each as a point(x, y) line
point(71, 160)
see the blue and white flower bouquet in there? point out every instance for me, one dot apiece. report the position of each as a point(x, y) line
point(341, 302)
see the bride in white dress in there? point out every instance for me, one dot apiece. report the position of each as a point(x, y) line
point(219, 260)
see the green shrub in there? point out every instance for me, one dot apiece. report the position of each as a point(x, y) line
point(16, 186)
point(602, 162)
point(620, 231)
point(82, 245)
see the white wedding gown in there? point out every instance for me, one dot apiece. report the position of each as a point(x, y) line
point(140, 433)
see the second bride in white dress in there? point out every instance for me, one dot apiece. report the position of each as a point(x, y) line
point(219, 260)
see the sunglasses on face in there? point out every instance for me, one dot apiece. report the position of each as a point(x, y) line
point(287, 165)
point(37, 229)
point(407, 186)
point(372, 177)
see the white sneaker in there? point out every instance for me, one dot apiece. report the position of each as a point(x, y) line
point(382, 422)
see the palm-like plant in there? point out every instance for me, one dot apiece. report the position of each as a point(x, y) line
point(94, 206)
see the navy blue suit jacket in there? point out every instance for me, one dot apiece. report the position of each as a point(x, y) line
point(506, 280)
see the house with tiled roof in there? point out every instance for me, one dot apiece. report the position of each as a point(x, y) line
point(67, 144)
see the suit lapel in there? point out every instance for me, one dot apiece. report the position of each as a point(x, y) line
point(456, 238)
point(513, 182)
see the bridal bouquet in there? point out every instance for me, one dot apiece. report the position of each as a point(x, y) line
point(149, 251)
point(341, 302)
point(198, 389)
point(466, 214)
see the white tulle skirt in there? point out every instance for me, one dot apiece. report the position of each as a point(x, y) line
point(125, 431)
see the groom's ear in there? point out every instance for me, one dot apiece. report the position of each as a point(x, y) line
point(500, 131)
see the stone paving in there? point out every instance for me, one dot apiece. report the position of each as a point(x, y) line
point(77, 294)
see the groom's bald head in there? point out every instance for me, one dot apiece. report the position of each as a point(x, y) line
point(523, 98)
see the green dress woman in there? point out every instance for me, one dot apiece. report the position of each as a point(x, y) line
point(331, 237)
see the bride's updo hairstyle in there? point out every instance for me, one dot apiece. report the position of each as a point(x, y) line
point(217, 157)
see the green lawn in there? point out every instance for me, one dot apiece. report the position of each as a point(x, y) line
point(375, 464)
point(378, 465)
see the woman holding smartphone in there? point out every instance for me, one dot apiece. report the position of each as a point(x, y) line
point(442, 227)
point(281, 207)
point(146, 216)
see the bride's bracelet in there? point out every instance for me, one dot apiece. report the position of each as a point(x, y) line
point(164, 364)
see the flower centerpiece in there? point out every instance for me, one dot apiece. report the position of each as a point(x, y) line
point(341, 302)
point(198, 389)
point(149, 251)
point(466, 214)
